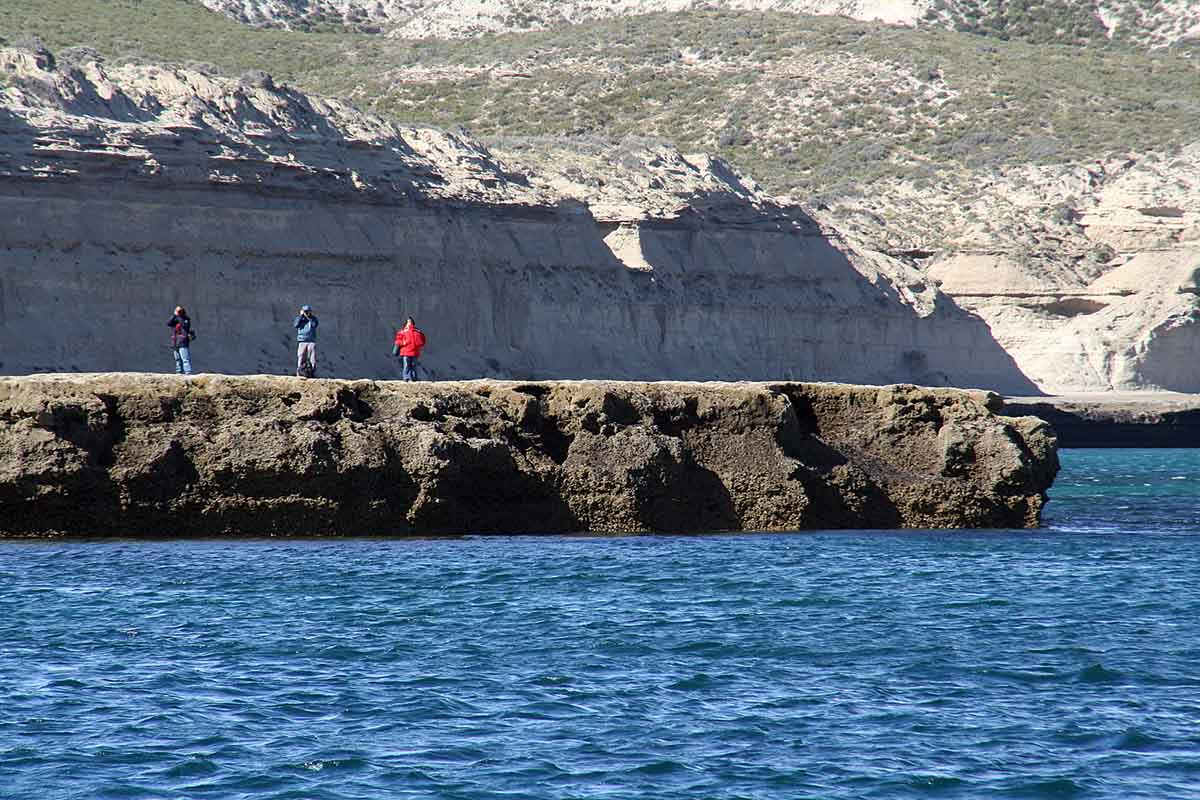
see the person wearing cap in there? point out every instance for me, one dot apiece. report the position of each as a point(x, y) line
point(306, 342)
point(181, 340)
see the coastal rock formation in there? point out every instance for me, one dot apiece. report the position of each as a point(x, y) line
point(1114, 419)
point(1088, 276)
point(163, 456)
point(124, 191)
point(127, 189)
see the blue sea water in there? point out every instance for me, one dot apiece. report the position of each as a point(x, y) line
point(1059, 663)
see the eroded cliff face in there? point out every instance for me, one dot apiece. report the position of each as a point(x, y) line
point(1087, 275)
point(126, 191)
point(163, 455)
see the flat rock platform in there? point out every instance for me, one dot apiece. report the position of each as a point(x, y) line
point(122, 454)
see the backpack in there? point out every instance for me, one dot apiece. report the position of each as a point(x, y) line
point(181, 336)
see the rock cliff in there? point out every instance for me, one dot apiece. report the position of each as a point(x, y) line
point(163, 455)
point(1089, 276)
point(1049, 190)
point(124, 191)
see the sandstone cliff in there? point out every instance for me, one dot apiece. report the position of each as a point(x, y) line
point(1088, 275)
point(124, 191)
point(161, 456)
point(1035, 184)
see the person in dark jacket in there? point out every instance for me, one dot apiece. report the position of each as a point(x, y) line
point(306, 342)
point(408, 345)
point(181, 340)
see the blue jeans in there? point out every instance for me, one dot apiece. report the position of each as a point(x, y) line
point(408, 367)
point(183, 361)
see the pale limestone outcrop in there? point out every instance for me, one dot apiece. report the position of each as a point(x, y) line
point(125, 191)
point(1087, 275)
point(121, 455)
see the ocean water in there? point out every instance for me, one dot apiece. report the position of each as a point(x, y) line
point(1059, 663)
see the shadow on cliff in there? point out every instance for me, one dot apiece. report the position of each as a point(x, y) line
point(16, 142)
point(71, 489)
point(840, 494)
point(1000, 371)
point(694, 311)
point(700, 259)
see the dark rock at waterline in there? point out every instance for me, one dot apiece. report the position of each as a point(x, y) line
point(1129, 419)
point(129, 454)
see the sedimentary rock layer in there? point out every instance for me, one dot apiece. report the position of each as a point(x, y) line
point(148, 455)
point(125, 191)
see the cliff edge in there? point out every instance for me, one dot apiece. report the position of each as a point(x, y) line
point(130, 454)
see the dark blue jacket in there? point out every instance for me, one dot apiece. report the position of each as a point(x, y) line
point(181, 331)
point(306, 328)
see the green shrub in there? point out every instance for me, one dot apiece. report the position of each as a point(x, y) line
point(1002, 103)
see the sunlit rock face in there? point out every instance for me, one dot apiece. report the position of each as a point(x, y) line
point(154, 455)
point(124, 192)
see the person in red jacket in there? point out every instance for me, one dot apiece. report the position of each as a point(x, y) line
point(408, 345)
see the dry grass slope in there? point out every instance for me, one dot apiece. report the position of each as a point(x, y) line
point(1141, 23)
point(816, 106)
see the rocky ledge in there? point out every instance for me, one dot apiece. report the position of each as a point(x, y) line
point(147, 455)
point(1116, 419)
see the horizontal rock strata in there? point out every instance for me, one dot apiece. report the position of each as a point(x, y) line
point(126, 191)
point(128, 454)
point(1088, 276)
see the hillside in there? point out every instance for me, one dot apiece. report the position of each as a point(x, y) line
point(816, 107)
point(1145, 24)
point(860, 119)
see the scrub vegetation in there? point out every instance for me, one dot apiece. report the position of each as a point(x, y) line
point(816, 106)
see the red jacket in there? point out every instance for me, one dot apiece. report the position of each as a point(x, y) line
point(409, 342)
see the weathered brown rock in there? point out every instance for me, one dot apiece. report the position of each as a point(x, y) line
point(153, 455)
